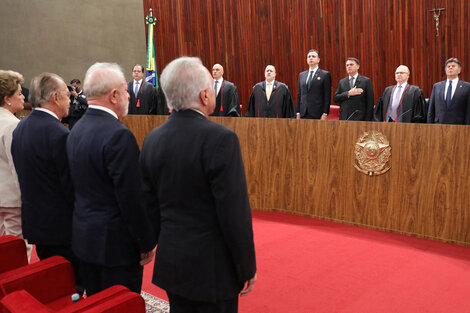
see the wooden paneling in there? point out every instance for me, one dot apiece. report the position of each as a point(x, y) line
point(306, 167)
point(245, 36)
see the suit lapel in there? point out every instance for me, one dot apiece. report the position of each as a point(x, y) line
point(457, 93)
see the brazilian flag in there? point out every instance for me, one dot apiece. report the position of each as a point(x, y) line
point(151, 75)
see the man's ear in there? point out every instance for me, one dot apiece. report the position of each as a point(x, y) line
point(113, 96)
point(204, 96)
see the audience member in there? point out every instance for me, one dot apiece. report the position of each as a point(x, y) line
point(38, 150)
point(11, 101)
point(112, 235)
point(194, 181)
point(314, 90)
point(78, 102)
point(226, 95)
point(450, 99)
point(401, 102)
point(270, 98)
point(355, 94)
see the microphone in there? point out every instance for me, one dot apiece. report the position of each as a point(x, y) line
point(352, 114)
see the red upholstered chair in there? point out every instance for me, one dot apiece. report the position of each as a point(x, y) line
point(12, 253)
point(334, 112)
point(50, 281)
point(116, 299)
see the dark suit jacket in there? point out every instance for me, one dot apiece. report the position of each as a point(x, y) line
point(229, 96)
point(355, 108)
point(280, 103)
point(459, 110)
point(147, 96)
point(195, 181)
point(412, 109)
point(110, 226)
point(315, 101)
point(38, 150)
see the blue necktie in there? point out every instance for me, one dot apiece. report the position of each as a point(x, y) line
point(136, 90)
point(215, 87)
point(449, 94)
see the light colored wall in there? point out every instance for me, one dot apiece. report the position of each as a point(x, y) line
point(67, 36)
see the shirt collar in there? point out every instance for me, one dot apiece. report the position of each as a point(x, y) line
point(99, 107)
point(403, 85)
point(47, 111)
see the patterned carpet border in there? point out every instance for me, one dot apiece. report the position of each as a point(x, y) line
point(154, 304)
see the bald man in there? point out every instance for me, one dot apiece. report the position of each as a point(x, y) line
point(227, 103)
point(402, 102)
point(270, 98)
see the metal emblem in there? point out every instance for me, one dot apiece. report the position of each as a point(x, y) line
point(372, 152)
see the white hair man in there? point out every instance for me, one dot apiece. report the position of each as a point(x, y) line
point(112, 234)
point(38, 151)
point(195, 182)
point(402, 102)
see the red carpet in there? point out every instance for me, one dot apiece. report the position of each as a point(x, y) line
point(306, 265)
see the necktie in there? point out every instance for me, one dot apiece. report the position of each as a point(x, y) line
point(268, 91)
point(351, 82)
point(449, 94)
point(215, 87)
point(309, 79)
point(395, 103)
point(136, 89)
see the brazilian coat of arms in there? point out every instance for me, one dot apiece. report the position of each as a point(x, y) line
point(372, 152)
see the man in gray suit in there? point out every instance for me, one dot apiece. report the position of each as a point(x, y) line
point(450, 99)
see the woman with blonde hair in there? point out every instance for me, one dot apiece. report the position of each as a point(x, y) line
point(11, 101)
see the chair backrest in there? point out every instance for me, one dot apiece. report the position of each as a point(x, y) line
point(12, 252)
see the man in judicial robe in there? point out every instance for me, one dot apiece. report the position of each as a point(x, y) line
point(270, 98)
point(143, 95)
point(450, 99)
point(226, 101)
point(402, 102)
point(355, 94)
point(314, 90)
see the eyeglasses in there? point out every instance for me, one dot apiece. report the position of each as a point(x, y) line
point(400, 73)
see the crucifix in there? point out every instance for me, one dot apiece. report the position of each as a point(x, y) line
point(436, 14)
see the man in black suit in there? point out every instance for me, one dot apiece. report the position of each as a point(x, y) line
point(226, 96)
point(450, 99)
point(38, 150)
point(112, 235)
point(194, 181)
point(402, 102)
point(355, 94)
point(270, 98)
point(143, 95)
point(314, 90)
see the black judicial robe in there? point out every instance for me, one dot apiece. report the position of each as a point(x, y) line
point(280, 104)
point(412, 108)
point(226, 102)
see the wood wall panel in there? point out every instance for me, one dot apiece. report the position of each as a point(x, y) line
point(245, 36)
point(306, 167)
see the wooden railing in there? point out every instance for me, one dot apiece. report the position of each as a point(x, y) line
point(306, 167)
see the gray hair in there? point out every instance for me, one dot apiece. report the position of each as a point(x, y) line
point(406, 67)
point(101, 78)
point(182, 81)
point(42, 87)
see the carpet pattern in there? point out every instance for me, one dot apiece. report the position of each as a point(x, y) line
point(154, 304)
